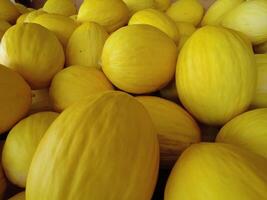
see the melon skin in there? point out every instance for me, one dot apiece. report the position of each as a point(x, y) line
point(103, 141)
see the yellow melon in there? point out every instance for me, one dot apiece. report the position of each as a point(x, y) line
point(85, 45)
point(249, 18)
point(8, 11)
point(75, 83)
point(34, 52)
point(61, 7)
point(176, 129)
point(216, 88)
point(248, 130)
point(218, 10)
point(190, 11)
point(15, 98)
point(24, 138)
point(106, 141)
point(217, 171)
point(141, 66)
point(112, 14)
point(61, 25)
point(157, 19)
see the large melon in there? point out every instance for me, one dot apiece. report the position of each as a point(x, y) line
point(102, 148)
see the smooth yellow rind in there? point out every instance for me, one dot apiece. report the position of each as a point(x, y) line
point(85, 45)
point(211, 171)
point(61, 7)
point(108, 139)
point(62, 26)
point(32, 51)
point(112, 14)
point(75, 83)
point(249, 18)
point(157, 19)
point(190, 11)
point(145, 64)
point(8, 11)
point(15, 98)
point(176, 129)
point(218, 10)
point(24, 138)
point(216, 88)
point(248, 131)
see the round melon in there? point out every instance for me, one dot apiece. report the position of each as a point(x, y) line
point(112, 14)
point(218, 10)
point(141, 66)
point(176, 129)
point(8, 11)
point(216, 88)
point(61, 25)
point(186, 30)
point(85, 45)
point(249, 18)
point(15, 98)
point(30, 17)
point(157, 19)
point(248, 130)
point(34, 52)
point(21, 144)
point(162, 5)
point(190, 11)
point(108, 140)
point(210, 171)
point(61, 7)
point(137, 5)
point(75, 83)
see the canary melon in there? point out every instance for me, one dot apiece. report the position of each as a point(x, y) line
point(211, 171)
point(141, 66)
point(112, 14)
point(24, 138)
point(105, 141)
point(15, 98)
point(85, 45)
point(61, 7)
point(249, 18)
point(75, 83)
point(248, 130)
point(8, 11)
point(34, 52)
point(157, 19)
point(176, 129)
point(190, 11)
point(62, 26)
point(218, 10)
point(216, 88)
